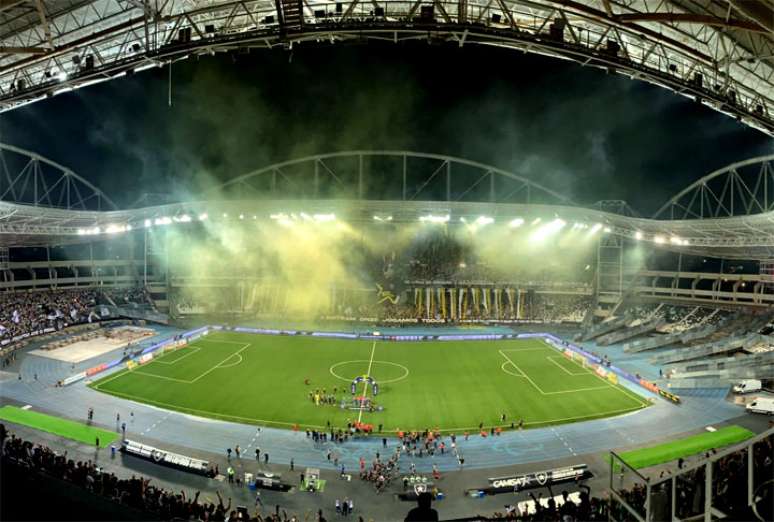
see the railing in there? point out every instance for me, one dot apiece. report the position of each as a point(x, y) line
point(711, 494)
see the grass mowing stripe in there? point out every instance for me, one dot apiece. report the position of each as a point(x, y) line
point(673, 450)
point(58, 426)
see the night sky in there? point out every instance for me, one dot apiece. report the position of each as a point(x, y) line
point(580, 131)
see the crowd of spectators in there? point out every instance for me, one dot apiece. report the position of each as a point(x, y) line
point(135, 492)
point(729, 488)
point(559, 308)
point(678, 318)
point(27, 312)
point(562, 508)
point(132, 296)
point(545, 308)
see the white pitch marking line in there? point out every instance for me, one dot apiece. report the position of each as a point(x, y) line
point(161, 377)
point(552, 357)
point(233, 364)
point(506, 363)
point(215, 341)
point(221, 362)
point(522, 372)
point(365, 382)
point(619, 387)
point(195, 348)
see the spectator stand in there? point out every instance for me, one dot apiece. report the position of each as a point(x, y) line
point(735, 483)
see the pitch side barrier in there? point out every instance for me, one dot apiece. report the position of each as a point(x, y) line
point(139, 357)
point(602, 368)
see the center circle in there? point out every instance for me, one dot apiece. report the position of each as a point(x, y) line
point(359, 366)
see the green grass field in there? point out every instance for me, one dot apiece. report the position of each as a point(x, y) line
point(58, 426)
point(448, 384)
point(685, 447)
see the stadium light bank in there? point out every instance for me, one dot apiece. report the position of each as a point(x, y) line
point(541, 229)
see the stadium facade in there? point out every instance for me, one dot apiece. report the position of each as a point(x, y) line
point(727, 215)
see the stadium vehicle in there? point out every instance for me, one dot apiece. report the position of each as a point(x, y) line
point(747, 386)
point(761, 405)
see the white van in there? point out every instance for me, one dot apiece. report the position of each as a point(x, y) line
point(761, 405)
point(747, 386)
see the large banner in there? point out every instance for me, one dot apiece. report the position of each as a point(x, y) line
point(514, 483)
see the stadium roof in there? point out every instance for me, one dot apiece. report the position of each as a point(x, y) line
point(719, 52)
point(728, 213)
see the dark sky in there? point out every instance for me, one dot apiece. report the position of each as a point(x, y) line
point(580, 131)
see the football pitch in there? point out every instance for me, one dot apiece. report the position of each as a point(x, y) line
point(451, 385)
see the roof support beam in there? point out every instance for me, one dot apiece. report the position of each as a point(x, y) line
point(44, 23)
point(687, 18)
point(23, 50)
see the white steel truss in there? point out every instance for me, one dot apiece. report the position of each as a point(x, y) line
point(718, 52)
point(740, 189)
point(455, 189)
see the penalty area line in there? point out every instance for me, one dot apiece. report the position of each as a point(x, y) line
point(552, 357)
point(221, 362)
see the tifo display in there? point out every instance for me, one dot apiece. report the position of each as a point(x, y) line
point(466, 386)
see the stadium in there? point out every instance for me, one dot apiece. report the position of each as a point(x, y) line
point(324, 321)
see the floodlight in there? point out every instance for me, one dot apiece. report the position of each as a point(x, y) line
point(147, 223)
point(203, 217)
point(659, 239)
point(638, 235)
point(548, 229)
point(535, 221)
point(515, 223)
point(484, 220)
point(61, 76)
point(241, 216)
point(434, 219)
point(81, 232)
point(596, 228)
point(324, 217)
point(608, 230)
point(675, 240)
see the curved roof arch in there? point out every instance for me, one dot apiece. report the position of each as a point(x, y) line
point(743, 188)
point(717, 52)
point(448, 177)
point(745, 236)
point(31, 179)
